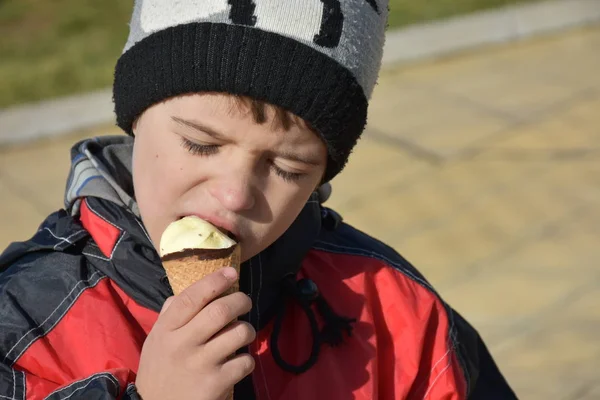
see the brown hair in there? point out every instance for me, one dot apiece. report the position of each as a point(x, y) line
point(283, 118)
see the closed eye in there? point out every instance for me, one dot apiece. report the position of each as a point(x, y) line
point(287, 175)
point(211, 149)
point(199, 149)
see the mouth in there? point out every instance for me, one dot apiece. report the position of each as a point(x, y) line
point(224, 231)
point(228, 234)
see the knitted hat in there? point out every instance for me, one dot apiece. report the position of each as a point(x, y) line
point(318, 59)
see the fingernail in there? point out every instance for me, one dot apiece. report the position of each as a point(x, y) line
point(230, 273)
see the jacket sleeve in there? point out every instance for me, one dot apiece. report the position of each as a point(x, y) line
point(487, 382)
point(47, 347)
point(17, 384)
point(425, 349)
point(439, 355)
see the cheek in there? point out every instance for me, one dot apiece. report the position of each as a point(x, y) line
point(157, 183)
point(148, 176)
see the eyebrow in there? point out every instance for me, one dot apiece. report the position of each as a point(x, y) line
point(216, 135)
point(199, 127)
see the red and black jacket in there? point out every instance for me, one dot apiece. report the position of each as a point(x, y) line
point(339, 315)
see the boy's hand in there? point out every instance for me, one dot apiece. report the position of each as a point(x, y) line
point(188, 352)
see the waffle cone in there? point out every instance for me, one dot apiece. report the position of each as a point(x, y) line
point(188, 266)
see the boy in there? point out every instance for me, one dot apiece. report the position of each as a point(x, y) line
point(238, 112)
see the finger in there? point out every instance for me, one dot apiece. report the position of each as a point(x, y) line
point(229, 340)
point(216, 315)
point(168, 301)
point(238, 368)
point(193, 299)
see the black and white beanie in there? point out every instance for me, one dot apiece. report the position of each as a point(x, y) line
point(318, 59)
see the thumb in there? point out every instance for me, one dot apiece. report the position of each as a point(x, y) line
point(166, 305)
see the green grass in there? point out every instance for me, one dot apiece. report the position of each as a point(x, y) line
point(52, 48)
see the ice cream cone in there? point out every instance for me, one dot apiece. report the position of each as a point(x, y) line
point(190, 265)
point(191, 249)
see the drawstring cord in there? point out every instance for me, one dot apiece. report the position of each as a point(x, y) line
point(305, 292)
point(335, 325)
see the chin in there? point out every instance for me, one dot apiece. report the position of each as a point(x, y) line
point(250, 251)
point(246, 255)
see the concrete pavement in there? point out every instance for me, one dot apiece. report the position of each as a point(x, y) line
point(484, 171)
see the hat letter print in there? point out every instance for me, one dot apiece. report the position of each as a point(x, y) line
point(330, 30)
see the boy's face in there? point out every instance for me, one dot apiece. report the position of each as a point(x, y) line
point(203, 155)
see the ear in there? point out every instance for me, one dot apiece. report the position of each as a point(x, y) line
point(134, 126)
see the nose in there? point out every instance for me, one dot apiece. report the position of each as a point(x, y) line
point(235, 193)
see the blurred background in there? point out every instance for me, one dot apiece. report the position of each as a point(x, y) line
point(480, 163)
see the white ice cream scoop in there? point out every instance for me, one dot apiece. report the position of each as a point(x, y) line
point(193, 233)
